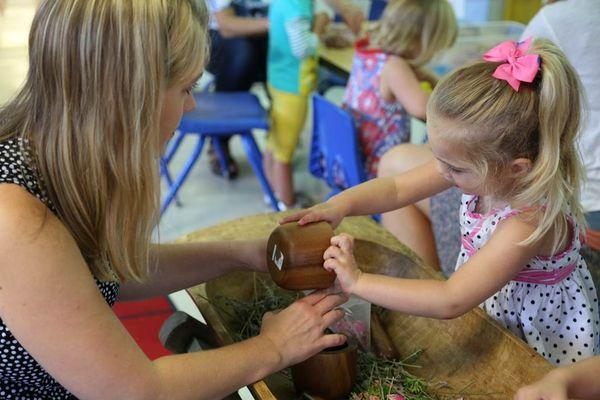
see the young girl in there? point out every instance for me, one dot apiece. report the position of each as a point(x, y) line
point(79, 188)
point(384, 88)
point(503, 131)
point(292, 76)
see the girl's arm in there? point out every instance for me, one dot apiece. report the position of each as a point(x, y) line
point(576, 381)
point(495, 264)
point(180, 266)
point(49, 301)
point(377, 196)
point(399, 82)
point(350, 13)
point(231, 25)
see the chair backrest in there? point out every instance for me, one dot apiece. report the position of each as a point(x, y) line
point(335, 154)
point(377, 7)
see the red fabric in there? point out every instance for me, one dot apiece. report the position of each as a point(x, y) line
point(593, 239)
point(143, 320)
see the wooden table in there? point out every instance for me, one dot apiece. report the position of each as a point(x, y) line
point(338, 60)
point(471, 353)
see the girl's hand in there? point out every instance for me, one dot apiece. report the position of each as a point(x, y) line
point(321, 212)
point(353, 16)
point(339, 257)
point(550, 387)
point(321, 21)
point(298, 331)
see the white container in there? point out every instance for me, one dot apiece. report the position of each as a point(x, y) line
point(473, 40)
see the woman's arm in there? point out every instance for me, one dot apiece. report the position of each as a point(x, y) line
point(231, 25)
point(399, 82)
point(180, 266)
point(51, 304)
point(495, 264)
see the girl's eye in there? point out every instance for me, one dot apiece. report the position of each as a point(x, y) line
point(452, 169)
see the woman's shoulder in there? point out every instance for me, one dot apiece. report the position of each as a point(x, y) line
point(21, 213)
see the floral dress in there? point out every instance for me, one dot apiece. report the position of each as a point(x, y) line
point(381, 124)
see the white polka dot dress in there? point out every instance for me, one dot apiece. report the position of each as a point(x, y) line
point(552, 304)
point(21, 377)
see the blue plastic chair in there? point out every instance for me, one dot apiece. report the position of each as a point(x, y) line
point(377, 7)
point(335, 154)
point(217, 114)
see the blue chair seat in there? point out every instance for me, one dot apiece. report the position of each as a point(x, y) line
point(217, 114)
point(224, 113)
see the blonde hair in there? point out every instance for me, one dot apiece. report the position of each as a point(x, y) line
point(540, 122)
point(89, 112)
point(415, 29)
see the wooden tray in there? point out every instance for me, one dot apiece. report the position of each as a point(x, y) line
point(476, 357)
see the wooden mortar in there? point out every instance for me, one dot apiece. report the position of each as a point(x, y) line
point(295, 256)
point(330, 375)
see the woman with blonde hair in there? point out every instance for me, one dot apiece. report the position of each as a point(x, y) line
point(79, 194)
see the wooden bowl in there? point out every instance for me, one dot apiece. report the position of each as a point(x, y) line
point(295, 256)
point(330, 375)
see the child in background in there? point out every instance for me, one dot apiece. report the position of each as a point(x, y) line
point(292, 76)
point(577, 381)
point(504, 132)
point(384, 88)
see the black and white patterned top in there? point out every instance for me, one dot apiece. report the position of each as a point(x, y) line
point(21, 377)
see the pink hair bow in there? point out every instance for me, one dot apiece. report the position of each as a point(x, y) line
point(519, 67)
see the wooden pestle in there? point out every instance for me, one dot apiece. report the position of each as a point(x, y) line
point(295, 256)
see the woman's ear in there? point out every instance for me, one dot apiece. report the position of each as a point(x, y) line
point(520, 167)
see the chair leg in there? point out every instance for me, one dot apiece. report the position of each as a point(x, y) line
point(255, 158)
point(164, 171)
point(183, 174)
point(221, 155)
point(172, 146)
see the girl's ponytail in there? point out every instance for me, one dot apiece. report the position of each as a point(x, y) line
point(557, 171)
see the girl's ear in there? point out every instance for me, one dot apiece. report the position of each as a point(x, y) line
point(520, 167)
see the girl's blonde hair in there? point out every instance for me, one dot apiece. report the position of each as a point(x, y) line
point(89, 111)
point(496, 125)
point(415, 29)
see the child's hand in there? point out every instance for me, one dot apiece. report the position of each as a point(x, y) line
point(339, 257)
point(320, 212)
point(320, 23)
point(353, 16)
point(548, 388)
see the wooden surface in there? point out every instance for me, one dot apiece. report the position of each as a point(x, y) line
point(472, 354)
point(338, 59)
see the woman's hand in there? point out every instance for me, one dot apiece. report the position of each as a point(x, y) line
point(550, 387)
point(339, 257)
point(297, 332)
point(328, 211)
